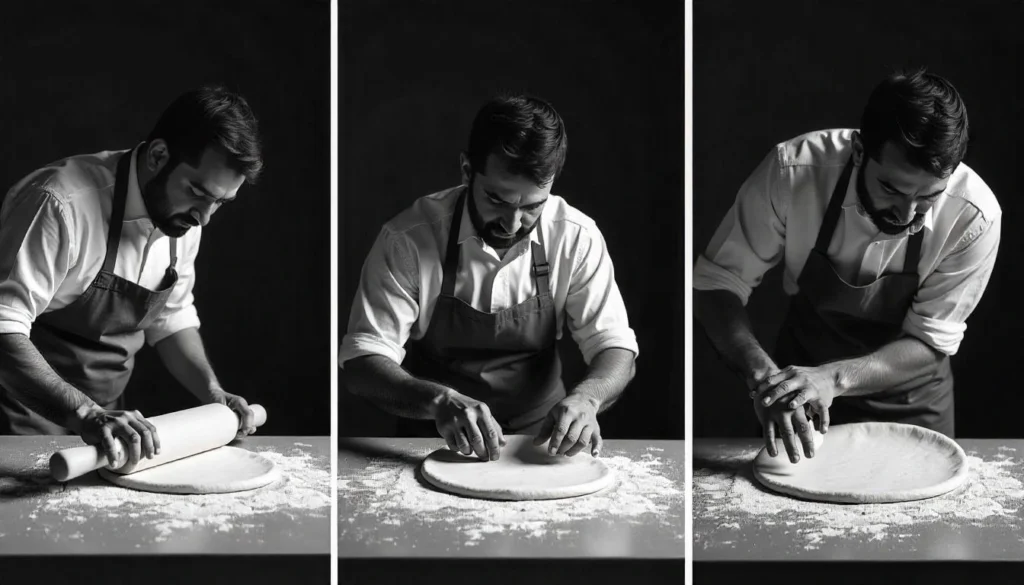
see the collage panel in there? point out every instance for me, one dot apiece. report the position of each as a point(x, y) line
point(165, 358)
point(854, 329)
point(510, 232)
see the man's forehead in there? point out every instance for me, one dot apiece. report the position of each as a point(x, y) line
point(214, 173)
point(894, 166)
point(497, 180)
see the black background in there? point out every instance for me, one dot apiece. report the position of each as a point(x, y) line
point(84, 77)
point(413, 74)
point(765, 72)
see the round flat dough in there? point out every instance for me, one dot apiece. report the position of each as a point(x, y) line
point(524, 472)
point(221, 470)
point(865, 463)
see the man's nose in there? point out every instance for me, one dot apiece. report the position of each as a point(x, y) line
point(907, 210)
point(512, 221)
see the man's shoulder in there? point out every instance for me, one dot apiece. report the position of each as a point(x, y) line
point(71, 179)
point(967, 187)
point(558, 211)
point(820, 148)
point(426, 215)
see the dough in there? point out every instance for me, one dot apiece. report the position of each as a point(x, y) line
point(221, 470)
point(524, 472)
point(868, 463)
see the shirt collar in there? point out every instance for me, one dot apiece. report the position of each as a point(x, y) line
point(468, 231)
point(852, 200)
point(134, 207)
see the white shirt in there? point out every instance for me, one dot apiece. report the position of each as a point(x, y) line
point(402, 276)
point(781, 206)
point(53, 239)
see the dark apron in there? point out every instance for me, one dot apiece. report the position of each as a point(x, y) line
point(507, 359)
point(91, 343)
point(830, 320)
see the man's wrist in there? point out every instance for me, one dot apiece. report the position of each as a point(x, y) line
point(587, 394)
point(837, 373)
point(75, 418)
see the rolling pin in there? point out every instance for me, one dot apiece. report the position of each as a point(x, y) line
point(182, 434)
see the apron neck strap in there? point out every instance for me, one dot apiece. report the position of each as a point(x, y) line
point(451, 256)
point(913, 251)
point(174, 254)
point(117, 212)
point(541, 268)
point(835, 206)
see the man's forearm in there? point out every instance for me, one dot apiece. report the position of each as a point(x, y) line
point(392, 389)
point(609, 373)
point(25, 373)
point(185, 357)
point(886, 369)
point(725, 321)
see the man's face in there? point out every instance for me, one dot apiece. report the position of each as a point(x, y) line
point(181, 196)
point(896, 194)
point(504, 207)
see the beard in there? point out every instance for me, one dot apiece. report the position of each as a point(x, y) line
point(158, 205)
point(885, 220)
point(491, 232)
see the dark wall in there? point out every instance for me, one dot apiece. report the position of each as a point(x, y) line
point(765, 72)
point(85, 77)
point(413, 74)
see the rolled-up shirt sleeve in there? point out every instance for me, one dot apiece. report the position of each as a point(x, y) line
point(180, 311)
point(947, 296)
point(386, 304)
point(596, 314)
point(751, 238)
point(35, 255)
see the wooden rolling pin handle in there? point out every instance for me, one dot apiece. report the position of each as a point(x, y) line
point(68, 464)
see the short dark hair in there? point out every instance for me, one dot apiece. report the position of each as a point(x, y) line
point(211, 116)
point(920, 113)
point(524, 130)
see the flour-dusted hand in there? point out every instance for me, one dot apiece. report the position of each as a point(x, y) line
point(792, 426)
point(468, 426)
point(246, 417)
point(571, 426)
point(98, 426)
point(796, 386)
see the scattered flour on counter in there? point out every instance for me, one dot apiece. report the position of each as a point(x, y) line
point(724, 488)
point(389, 490)
point(304, 487)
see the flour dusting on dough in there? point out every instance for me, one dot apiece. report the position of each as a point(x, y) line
point(304, 487)
point(388, 490)
point(724, 488)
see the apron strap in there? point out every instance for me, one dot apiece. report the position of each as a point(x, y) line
point(913, 252)
point(835, 206)
point(541, 268)
point(451, 256)
point(117, 212)
point(174, 254)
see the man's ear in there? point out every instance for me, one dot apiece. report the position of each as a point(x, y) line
point(465, 167)
point(157, 155)
point(858, 149)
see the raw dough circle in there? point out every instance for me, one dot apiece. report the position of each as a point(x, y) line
point(524, 472)
point(222, 470)
point(864, 463)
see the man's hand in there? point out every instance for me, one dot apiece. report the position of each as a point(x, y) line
point(795, 386)
point(792, 425)
point(101, 427)
point(246, 418)
point(467, 426)
point(571, 426)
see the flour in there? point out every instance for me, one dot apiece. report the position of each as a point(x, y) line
point(724, 488)
point(389, 490)
point(304, 487)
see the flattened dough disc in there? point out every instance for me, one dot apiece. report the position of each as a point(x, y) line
point(864, 463)
point(524, 472)
point(221, 470)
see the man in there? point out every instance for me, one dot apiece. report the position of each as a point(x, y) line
point(97, 257)
point(468, 290)
point(887, 241)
